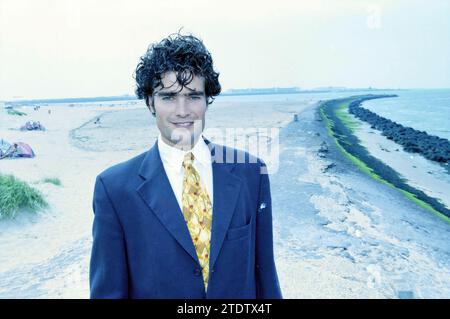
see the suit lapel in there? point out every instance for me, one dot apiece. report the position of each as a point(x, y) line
point(157, 193)
point(226, 191)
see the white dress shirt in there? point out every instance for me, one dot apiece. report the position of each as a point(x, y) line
point(172, 159)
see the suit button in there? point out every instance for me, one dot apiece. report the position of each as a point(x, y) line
point(197, 272)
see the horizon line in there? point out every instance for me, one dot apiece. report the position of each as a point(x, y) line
point(240, 91)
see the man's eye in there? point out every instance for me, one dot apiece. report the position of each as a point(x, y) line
point(195, 97)
point(168, 98)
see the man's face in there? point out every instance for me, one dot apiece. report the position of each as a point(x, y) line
point(180, 115)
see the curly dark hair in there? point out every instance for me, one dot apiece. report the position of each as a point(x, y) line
point(184, 54)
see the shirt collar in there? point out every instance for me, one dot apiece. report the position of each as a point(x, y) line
point(173, 156)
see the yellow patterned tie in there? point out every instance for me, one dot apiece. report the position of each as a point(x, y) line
point(197, 211)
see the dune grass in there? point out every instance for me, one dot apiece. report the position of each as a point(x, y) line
point(52, 180)
point(15, 112)
point(16, 194)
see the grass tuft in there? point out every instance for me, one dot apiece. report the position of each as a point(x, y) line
point(16, 194)
point(15, 112)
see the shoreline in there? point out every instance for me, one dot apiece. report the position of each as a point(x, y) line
point(431, 147)
point(341, 126)
point(428, 176)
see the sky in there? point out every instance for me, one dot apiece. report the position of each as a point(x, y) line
point(84, 48)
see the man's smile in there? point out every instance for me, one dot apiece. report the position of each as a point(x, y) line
point(184, 124)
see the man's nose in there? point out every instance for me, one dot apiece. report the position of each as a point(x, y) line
point(182, 107)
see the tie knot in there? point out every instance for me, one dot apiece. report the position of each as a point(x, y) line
point(188, 159)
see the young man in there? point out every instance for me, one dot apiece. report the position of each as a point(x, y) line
point(182, 220)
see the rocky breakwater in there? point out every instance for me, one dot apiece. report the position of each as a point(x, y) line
point(431, 147)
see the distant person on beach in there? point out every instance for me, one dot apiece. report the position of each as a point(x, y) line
point(184, 219)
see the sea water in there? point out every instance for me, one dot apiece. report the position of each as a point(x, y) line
point(424, 110)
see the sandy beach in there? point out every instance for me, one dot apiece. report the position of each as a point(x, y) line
point(47, 254)
point(338, 233)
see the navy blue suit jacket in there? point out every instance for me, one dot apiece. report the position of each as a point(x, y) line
point(142, 247)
